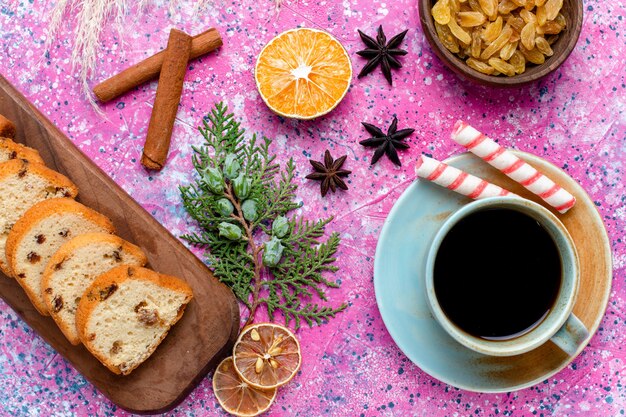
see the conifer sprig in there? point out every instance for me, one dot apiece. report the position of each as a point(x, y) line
point(242, 201)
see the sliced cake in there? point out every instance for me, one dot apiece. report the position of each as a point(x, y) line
point(23, 184)
point(7, 128)
point(75, 266)
point(126, 313)
point(40, 232)
point(11, 150)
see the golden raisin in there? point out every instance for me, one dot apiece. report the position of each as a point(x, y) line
point(528, 16)
point(489, 6)
point(459, 32)
point(473, 4)
point(497, 44)
point(551, 28)
point(553, 7)
point(507, 51)
point(506, 7)
point(502, 66)
point(543, 46)
point(447, 39)
point(476, 45)
point(542, 16)
point(492, 31)
point(533, 55)
point(470, 19)
point(441, 12)
point(479, 66)
point(455, 6)
point(493, 16)
point(528, 36)
point(516, 23)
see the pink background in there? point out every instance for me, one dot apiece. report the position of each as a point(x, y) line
point(574, 118)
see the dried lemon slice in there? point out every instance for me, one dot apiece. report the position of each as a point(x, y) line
point(236, 396)
point(267, 355)
point(303, 73)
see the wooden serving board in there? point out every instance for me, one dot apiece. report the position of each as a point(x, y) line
point(197, 342)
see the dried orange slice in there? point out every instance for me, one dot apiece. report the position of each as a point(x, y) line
point(303, 73)
point(267, 355)
point(237, 397)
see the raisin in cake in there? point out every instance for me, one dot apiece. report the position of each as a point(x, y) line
point(126, 313)
point(40, 232)
point(23, 184)
point(75, 266)
point(11, 150)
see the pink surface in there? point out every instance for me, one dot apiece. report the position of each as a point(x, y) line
point(574, 118)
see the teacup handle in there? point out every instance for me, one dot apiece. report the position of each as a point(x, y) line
point(571, 335)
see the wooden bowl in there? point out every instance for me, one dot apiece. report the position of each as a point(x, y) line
point(573, 12)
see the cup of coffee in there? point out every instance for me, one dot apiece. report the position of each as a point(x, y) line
point(502, 277)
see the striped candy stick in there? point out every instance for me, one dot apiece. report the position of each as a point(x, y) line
point(513, 167)
point(454, 179)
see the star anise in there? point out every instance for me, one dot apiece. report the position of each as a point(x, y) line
point(329, 173)
point(386, 143)
point(380, 52)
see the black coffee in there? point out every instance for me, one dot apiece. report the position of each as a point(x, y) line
point(497, 274)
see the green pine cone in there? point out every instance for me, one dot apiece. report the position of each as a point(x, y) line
point(229, 231)
point(273, 252)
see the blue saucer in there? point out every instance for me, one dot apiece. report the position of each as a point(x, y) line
point(400, 293)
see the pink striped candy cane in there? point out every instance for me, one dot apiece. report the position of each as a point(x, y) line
point(515, 168)
point(457, 180)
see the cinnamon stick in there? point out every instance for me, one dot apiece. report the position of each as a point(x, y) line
point(167, 98)
point(149, 68)
point(7, 128)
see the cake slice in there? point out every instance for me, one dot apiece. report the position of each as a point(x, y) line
point(23, 184)
point(75, 266)
point(40, 232)
point(126, 313)
point(12, 150)
point(7, 128)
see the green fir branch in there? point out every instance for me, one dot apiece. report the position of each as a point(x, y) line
point(287, 271)
point(310, 313)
